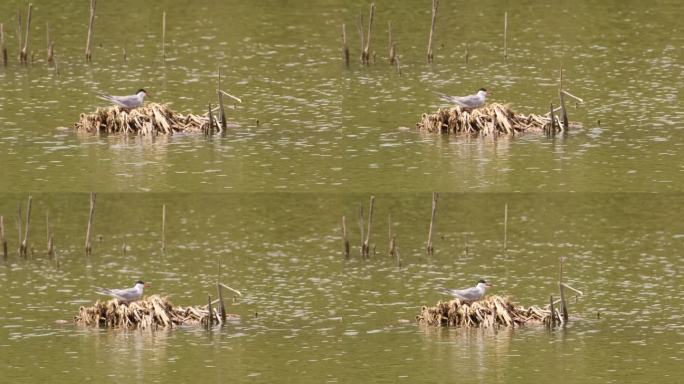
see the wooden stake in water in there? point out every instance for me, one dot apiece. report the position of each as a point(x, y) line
point(24, 242)
point(3, 241)
point(361, 228)
point(366, 243)
point(430, 248)
point(359, 28)
point(210, 319)
point(345, 48)
point(505, 226)
point(164, 35)
point(89, 231)
point(561, 96)
point(91, 31)
point(392, 44)
point(552, 130)
point(553, 312)
point(19, 227)
point(2, 45)
point(505, 50)
point(345, 239)
point(563, 303)
point(466, 53)
point(222, 307)
point(23, 55)
point(366, 49)
point(392, 237)
point(163, 234)
point(50, 45)
point(222, 113)
point(430, 56)
point(20, 34)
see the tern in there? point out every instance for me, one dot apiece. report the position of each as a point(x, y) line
point(128, 102)
point(125, 295)
point(471, 101)
point(470, 294)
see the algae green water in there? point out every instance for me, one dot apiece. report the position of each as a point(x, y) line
point(267, 199)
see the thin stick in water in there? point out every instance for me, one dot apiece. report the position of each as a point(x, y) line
point(561, 96)
point(2, 45)
point(163, 34)
point(359, 27)
point(222, 113)
point(89, 231)
point(345, 239)
point(222, 307)
point(210, 319)
point(392, 44)
point(361, 227)
point(505, 50)
point(430, 248)
point(24, 50)
point(3, 241)
point(91, 31)
point(24, 242)
point(430, 56)
point(345, 48)
point(366, 49)
point(366, 243)
point(20, 33)
point(20, 226)
point(467, 54)
point(505, 226)
point(163, 234)
point(552, 130)
point(553, 312)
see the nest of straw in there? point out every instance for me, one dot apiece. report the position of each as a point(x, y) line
point(491, 119)
point(488, 312)
point(150, 312)
point(150, 119)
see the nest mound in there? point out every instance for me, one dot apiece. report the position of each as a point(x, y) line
point(485, 313)
point(150, 119)
point(150, 312)
point(490, 119)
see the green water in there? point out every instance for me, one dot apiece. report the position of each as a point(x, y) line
point(267, 199)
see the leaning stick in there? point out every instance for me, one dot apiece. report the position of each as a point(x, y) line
point(24, 242)
point(566, 93)
point(392, 44)
point(50, 45)
point(222, 113)
point(91, 25)
point(2, 44)
point(20, 34)
point(231, 289)
point(2, 237)
point(366, 243)
point(573, 289)
point(561, 96)
point(345, 48)
point(359, 27)
point(89, 231)
point(24, 50)
point(366, 49)
point(430, 248)
point(232, 97)
point(222, 307)
point(430, 56)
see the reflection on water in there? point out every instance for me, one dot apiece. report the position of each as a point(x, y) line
point(306, 309)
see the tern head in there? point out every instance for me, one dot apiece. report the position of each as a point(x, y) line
point(484, 282)
point(144, 284)
point(141, 90)
point(482, 90)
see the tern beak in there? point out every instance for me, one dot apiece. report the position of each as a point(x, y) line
point(488, 285)
point(147, 285)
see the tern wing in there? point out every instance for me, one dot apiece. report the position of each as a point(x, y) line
point(110, 292)
point(463, 101)
point(122, 101)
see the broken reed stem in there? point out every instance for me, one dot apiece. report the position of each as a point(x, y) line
point(163, 234)
point(365, 55)
point(361, 228)
point(20, 34)
point(91, 25)
point(359, 27)
point(222, 307)
point(345, 239)
point(505, 49)
point(19, 227)
point(552, 129)
point(430, 248)
point(222, 113)
point(398, 65)
point(163, 34)
point(561, 96)
point(466, 53)
point(392, 44)
point(24, 243)
point(23, 55)
point(366, 243)
point(2, 45)
point(563, 303)
point(210, 319)
point(3, 241)
point(50, 45)
point(553, 312)
point(392, 237)
point(430, 56)
point(50, 240)
point(89, 231)
point(345, 48)
point(505, 226)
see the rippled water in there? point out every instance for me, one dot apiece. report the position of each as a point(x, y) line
point(324, 128)
point(310, 314)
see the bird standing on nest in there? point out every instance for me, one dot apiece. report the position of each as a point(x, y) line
point(125, 295)
point(471, 101)
point(128, 102)
point(470, 294)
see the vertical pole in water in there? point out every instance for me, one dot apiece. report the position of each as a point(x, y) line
point(392, 44)
point(19, 226)
point(561, 96)
point(222, 113)
point(23, 55)
point(50, 240)
point(89, 231)
point(2, 237)
point(50, 45)
point(210, 128)
point(345, 48)
point(164, 35)
point(430, 248)
point(345, 240)
point(210, 320)
point(20, 33)
point(163, 234)
point(359, 27)
point(505, 226)
point(2, 45)
point(24, 242)
point(505, 52)
point(361, 228)
point(552, 130)
point(430, 56)
point(91, 25)
point(366, 243)
point(553, 312)
point(563, 307)
point(222, 307)
point(366, 49)
point(466, 53)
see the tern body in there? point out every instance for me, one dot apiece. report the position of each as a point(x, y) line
point(125, 295)
point(128, 102)
point(470, 294)
point(471, 101)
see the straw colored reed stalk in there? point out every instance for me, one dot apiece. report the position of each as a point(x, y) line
point(486, 313)
point(149, 313)
point(491, 119)
point(148, 120)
